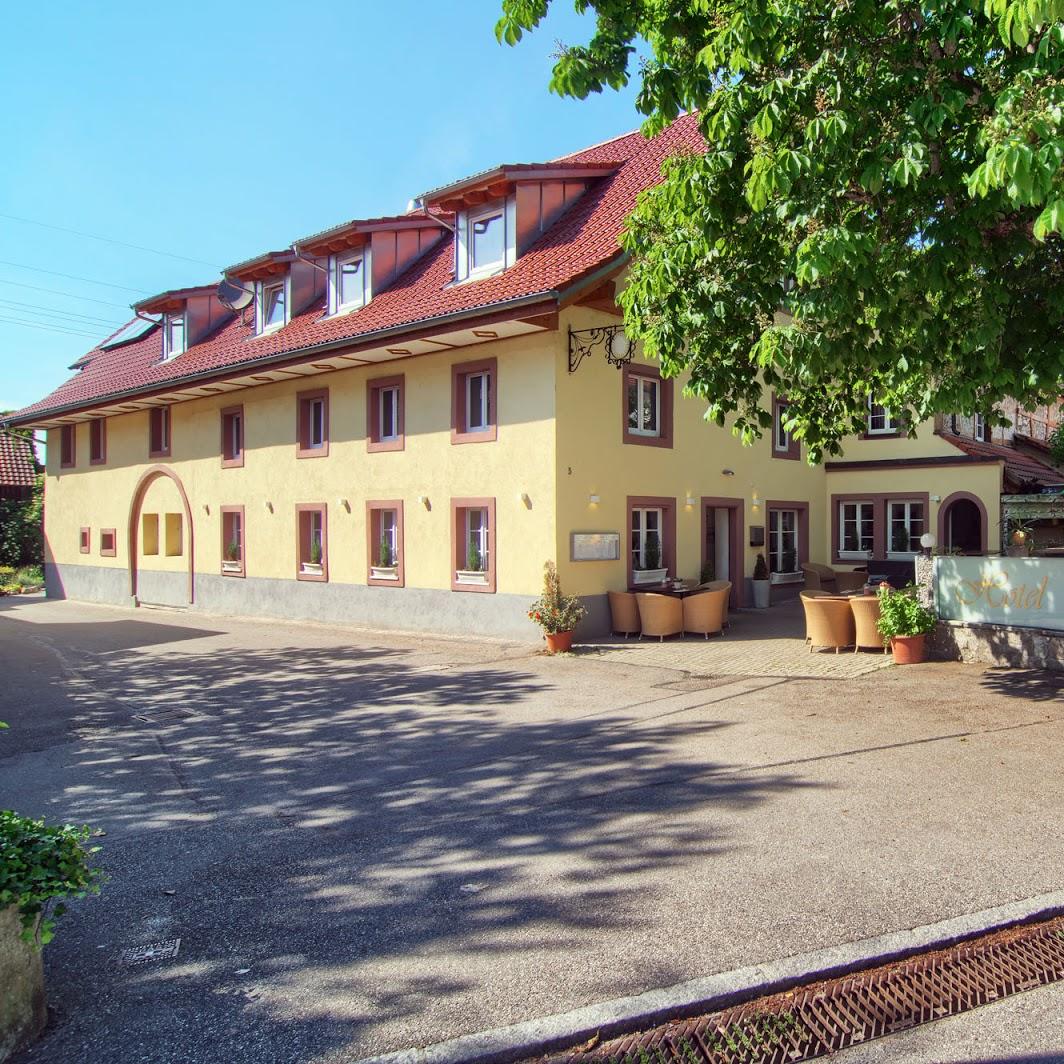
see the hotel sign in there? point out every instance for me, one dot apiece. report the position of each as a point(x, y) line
point(1023, 592)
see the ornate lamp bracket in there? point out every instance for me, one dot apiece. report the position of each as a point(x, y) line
point(616, 346)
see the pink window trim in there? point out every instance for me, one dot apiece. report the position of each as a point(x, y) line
point(303, 541)
point(303, 400)
point(373, 536)
point(374, 443)
point(459, 372)
point(458, 560)
point(101, 458)
point(243, 540)
point(664, 437)
point(229, 460)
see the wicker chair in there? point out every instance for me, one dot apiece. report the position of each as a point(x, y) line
point(865, 611)
point(818, 577)
point(828, 621)
point(704, 613)
point(848, 580)
point(624, 614)
point(716, 585)
point(659, 615)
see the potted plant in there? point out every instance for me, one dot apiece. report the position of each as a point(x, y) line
point(905, 623)
point(475, 571)
point(761, 583)
point(557, 614)
point(40, 864)
point(387, 567)
point(651, 571)
point(708, 572)
point(314, 566)
point(231, 563)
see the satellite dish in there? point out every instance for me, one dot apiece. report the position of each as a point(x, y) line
point(234, 296)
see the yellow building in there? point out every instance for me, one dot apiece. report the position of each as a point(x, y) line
point(398, 421)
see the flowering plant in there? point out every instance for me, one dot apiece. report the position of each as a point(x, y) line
point(553, 611)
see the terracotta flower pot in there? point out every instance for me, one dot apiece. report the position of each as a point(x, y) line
point(559, 642)
point(908, 649)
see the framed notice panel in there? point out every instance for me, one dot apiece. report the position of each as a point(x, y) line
point(595, 547)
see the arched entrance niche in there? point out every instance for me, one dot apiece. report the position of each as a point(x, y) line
point(962, 524)
point(149, 477)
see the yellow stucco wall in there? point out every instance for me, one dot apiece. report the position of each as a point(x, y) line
point(521, 460)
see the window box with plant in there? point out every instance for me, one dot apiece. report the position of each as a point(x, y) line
point(557, 614)
point(312, 545)
point(476, 570)
point(387, 567)
point(231, 563)
point(904, 622)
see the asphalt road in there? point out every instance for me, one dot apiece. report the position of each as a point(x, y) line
point(368, 842)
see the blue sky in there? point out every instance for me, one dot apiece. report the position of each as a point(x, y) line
point(215, 132)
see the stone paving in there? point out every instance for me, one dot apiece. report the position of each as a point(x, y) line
point(757, 643)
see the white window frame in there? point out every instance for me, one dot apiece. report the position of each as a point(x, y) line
point(776, 539)
point(316, 533)
point(388, 524)
point(861, 505)
point(781, 446)
point(908, 504)
point(169, 350)
point(316, 404)
point(642, 382)
point(979, 427)
point(463, 244)
point(890, 424)
point(262, 288)
point(484, 412)
point(336, 264)
point(641, 530)
point(236, 434)
point(388, 398)
point(482, 534)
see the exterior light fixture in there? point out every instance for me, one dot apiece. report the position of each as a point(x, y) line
point(269, 507)
point(928, 542)
point(611, 338)
point(424, 500)
point(727, 472)
point(343, 503)
point(206, 508)
point(690, 500)
point(593, 499)
point(526, 499)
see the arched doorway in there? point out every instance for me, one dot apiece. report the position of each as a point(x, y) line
point(187, 540)
point(962, 524)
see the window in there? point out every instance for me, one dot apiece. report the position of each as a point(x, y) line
point(108, 542)
point(980, 428)
point(880, 420)
point(173, 335)
point(232, 540)
point(473, 544)
point(783, 444)
point(149, 534)
point(349, 281)
point(312, 561)
point(486, 240)
point(384, 414)
point(313, 424)
point(85, 540)
point(68, 457)
point(652, 538)
point(857, 526)
point(232, 437)
point(98, 441)
point(473, 402)
point(159, 432)
point(905, 526)
point(783, 541)
point(173, 532)
point(647, 407)
point(384, 529)
point(272, 306)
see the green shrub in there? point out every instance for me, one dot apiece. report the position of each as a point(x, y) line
point(900, 613)
point(30, 576)
point(553, 611)
point(760, 568)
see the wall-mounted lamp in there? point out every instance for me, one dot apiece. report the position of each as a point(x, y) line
point(727, 472)
point(690, 501)
point(526, 499)
point(755, 502)
point(935, 498)
point(593, 499)
point(269, 507)
point(206, 508)
point(344, 504)
point(424, 500)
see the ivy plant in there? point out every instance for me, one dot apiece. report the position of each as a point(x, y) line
point(875, 206)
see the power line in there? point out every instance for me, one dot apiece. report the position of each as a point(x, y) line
point(72, 277)
point(109, 240)
point(49, 312)
point(69, 295)
point(49, 328)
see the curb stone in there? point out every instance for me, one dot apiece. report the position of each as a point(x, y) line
point(505, 1045)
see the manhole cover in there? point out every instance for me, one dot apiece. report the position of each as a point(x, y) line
point(153, 951)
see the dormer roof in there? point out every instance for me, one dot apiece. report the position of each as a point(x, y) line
point(172, 301)
point(500, 181)
point(358, 231)
point(262, 267)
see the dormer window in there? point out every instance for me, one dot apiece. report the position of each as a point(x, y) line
point(487, 240)
point(349, 281)
point(272, 305)
point(173, 335)
point(881, 422)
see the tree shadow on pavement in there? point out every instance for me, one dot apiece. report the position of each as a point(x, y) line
point(1032, 685)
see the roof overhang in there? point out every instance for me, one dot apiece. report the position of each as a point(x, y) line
point(262, 267)
point(360, 230)
point(501, 181)
point(174, 300)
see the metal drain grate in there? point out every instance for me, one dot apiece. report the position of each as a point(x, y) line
point(833, 1015)
point(153, 951)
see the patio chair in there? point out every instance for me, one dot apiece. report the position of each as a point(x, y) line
point(865, 614)
point(624, 614)
point(818, 577)
point(659, 615)
point(704, 613)
point(716, 585)
point(828, 621)
point(849, 580)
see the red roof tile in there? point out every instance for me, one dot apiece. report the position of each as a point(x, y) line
point(18, 462)
point(1020, 468)
point(582, 241)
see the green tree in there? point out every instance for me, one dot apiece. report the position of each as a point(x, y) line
point(898, 162)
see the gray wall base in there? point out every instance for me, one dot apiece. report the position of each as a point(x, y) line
point(996, 644)
point(88, 583)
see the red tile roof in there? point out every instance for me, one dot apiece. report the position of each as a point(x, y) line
point(18, 461)
point(1020, 468)
point(583, 241)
